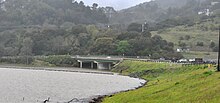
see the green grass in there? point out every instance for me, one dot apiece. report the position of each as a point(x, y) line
point(170, 84)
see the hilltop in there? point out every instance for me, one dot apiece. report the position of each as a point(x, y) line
point(160, 10)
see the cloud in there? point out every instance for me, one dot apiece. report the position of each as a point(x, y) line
point(117, 4)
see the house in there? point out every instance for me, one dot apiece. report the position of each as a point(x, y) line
point(214, 3)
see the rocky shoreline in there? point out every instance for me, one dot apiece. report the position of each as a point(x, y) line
point(99, 99)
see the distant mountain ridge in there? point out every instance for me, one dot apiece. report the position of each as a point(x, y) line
point(165, 4)
point(157, 10)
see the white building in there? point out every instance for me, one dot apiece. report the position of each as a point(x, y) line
point(214, 3)
point(205, 12)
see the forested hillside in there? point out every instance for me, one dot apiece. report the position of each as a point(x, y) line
point(56, 12)
point(55, 27)
point(189, 24)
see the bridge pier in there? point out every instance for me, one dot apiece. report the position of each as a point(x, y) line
point(109, 66)
point(92, 65)
point(104, 65)
point(80, 64)
point(86, 64)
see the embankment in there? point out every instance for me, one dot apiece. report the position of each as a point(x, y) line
point(168, 83)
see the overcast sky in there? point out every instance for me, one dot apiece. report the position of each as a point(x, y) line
point(117, 4)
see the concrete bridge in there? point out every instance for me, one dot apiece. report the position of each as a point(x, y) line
point(101, 63)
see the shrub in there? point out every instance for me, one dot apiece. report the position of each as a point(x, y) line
point(187, 37)
point(212, 45)
point(181, 38)
point(199, 44)
point(177, 83)
point(17, 60)
point(208, 73)
point(216, 49)
point(60, 60)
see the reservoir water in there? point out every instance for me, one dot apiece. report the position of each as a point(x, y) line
point(34, 86)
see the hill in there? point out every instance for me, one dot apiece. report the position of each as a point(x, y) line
point(165, 4)
point(67, 27)
point(205, 33)
point(38, 12)
point(159, 10)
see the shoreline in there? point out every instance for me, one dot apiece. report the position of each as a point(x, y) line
point(100, 98)
point(59, 69)
point(92, 99)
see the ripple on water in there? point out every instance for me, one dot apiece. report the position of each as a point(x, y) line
point(19, 85)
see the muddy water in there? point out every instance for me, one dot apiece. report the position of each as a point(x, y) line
point(33, 86)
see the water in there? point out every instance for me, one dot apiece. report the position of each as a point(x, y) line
point(33, 86)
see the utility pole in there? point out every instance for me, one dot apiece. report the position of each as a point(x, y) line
point(218, 67)
point(143, 27)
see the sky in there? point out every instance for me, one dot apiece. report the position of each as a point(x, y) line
point(117, 4)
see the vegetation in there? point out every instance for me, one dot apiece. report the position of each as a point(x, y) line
point(197, 54)
point(54, 27)
point(55, 12)
point(169, 83)
point(50, 61)
point(192, 37)
point(33, 30)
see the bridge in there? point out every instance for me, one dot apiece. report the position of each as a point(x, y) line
point(100, 63)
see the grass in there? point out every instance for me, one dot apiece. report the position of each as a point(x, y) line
point(196, 33)
point(170, 84)
point(199, 54)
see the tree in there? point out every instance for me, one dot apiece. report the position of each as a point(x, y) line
point(103, 46)
point(128, 35)
point(94, 6)
point(199, 44)
point(1, 50)
point(182, 45)
point(187, 37)
point(123, 47)
point(26, 49)
point(135, 27)
point(146, 34)
point(57, 45)
point(73, 44)
point(27, 45)
point(141, 46)
point(212, 45)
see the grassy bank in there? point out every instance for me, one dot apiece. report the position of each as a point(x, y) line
point(170, 83)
